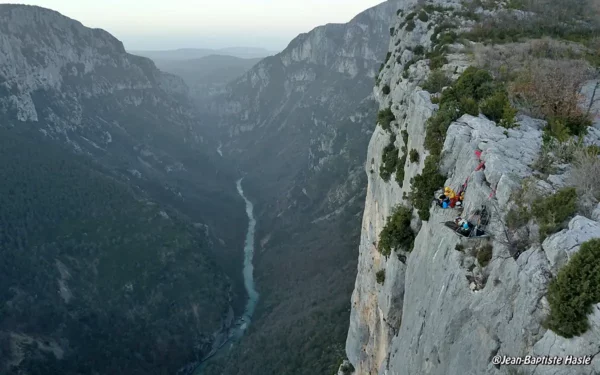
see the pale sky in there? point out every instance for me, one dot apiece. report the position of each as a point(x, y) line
point(170, 24)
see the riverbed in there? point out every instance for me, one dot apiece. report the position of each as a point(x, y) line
point(242, 323)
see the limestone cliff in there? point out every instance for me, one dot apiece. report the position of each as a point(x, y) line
point(439, 311)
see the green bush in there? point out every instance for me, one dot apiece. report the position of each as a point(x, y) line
point(449, 37)
point(385, 117)
point(593, 150)
point(574, 291)
point(392, 29)
point(436, 81)
point(387, 57)
point(424, 186)
point(410, 25)
point(552, 212)
point(404, 136)
point(414, 156)
point(397, 232)
point(498, 109)
point(380, 277)
point(410, 16)
point(484, 255)
point(437, 61)
point(430, 8)
point(557, 129)
point(423, 17)
point(389, 160)
point(400, 170)
point(402, 161)
point(386, 90)
point(347, 368)
point(419, 50)
point(399, 12)
point(469, 106)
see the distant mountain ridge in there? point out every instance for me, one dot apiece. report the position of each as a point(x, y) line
point(196, 53)
point(208, 75)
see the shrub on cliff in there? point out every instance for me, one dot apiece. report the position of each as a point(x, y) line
point(380, 277)
point(397, 232)
point(498, 109)
point(402, 161)
point(552, 212)
point(389, 160)
point(484, 254)
point(574, 291)
point(386, 90)
point(385, 117)
point(424, 186)
point(436, 81)
point(414, 156)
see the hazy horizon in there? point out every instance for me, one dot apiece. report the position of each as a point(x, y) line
point(161, 25)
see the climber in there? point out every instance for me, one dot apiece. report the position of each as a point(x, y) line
point(452, 198)
point(443, 201)
point(466, 228)
point(449, 199)
point(463, 226)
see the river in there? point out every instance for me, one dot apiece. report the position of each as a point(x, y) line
point(243, 322)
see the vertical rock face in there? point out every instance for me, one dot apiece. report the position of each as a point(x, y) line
point(438, 311)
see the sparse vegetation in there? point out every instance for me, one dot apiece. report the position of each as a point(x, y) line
point(499, 109)
point(392, 29)
point(436, 81)
point(431, 8)
point(402, 161)
point(575, 20)
point(419, 50)
point(517, 217)
point(389, 159)
point(385, 117)
point(397, 233)
point(484, 254)
point(552, 212)
point(574, 291)
point(550, 89)
point(414, 156)
point(585, 176)
point(410, 25)
point(423, 17)
point(347, 367)
point(380, 277)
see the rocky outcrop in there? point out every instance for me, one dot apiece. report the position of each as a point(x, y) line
point(439, 311)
